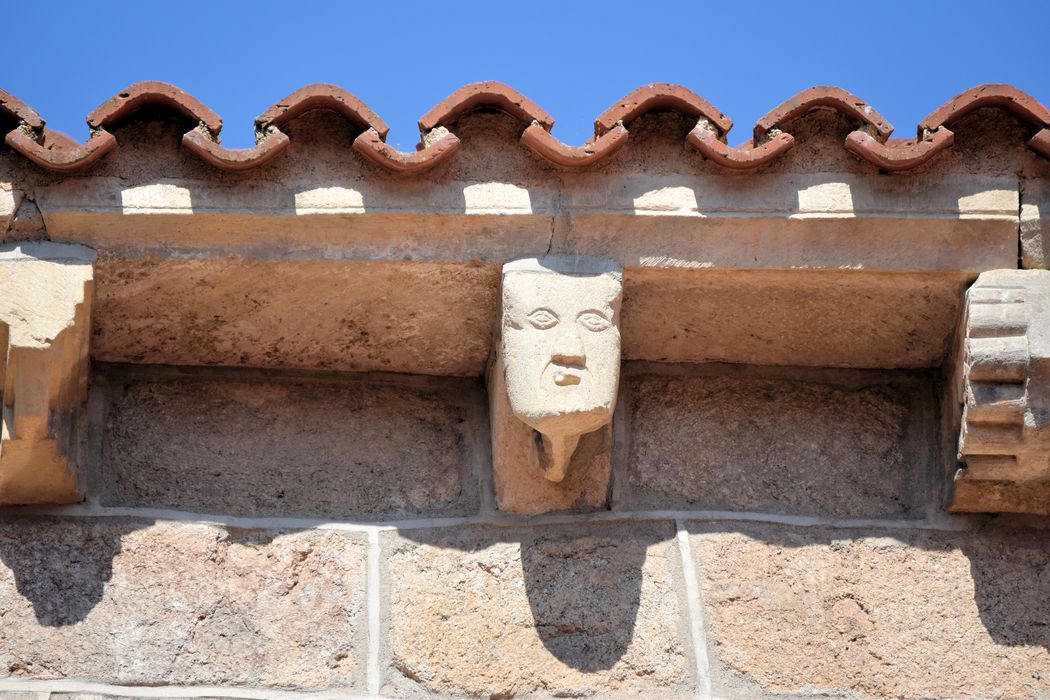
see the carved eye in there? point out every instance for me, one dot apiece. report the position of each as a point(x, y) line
point(593, 321)
point(543, 319)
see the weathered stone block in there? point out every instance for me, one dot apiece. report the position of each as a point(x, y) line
point(45, 323)
point(133, 603)
point(553, 383)
point(804, 442)
point(907, 615)
point(419, 318)
point(1003, 380)
point(555, 611)
point(352, 448)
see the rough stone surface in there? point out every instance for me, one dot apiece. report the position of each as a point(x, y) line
point(45, 325)
point(357, 448)
point(795, 317)
point(301, 314)
point(1003, 374)
point(1035, 224)
point(805, 442)
point(133, 603)
point(902, 615)
point(511, 613)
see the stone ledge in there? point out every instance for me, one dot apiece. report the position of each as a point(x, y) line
point(772, 221)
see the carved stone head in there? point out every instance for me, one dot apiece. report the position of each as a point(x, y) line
point(560, 346)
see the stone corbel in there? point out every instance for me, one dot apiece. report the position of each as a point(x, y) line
point(45, 326)
point(1004, 437)
point(553, 383)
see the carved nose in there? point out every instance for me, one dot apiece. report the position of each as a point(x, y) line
point(568, 349)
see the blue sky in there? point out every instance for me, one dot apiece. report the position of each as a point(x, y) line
point(574, 59)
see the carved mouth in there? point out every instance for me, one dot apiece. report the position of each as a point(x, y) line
point(565, 378)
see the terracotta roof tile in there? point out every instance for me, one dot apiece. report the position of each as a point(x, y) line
point(152, 92)
point(898, 154)
point(56, 151)
point(612, 128)
point(743, 157)
point(486, 94)
point(597, 149)
point(659, 97)
point(1005, 97)
point(11, 105)
point(823, 97)
point(320, 96)
point(371, 146)
point(266, 149)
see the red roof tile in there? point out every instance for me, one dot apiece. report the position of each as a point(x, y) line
point(870, 141)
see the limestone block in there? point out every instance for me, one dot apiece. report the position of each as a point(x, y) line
point(807, 442)
point(1035, 224)
point(551, 612)
point(553, 383)
point(331, 314)
point(832, 613)
point(1004, 439)
point(256, 444)
point(45, 326)
point(130, 602)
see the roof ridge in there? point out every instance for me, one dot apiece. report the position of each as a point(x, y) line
point(870, 140)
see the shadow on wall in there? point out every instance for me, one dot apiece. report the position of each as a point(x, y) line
point(580, 587)
point(62, 568)
point(903, 577)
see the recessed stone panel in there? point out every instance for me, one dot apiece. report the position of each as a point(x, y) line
point(565, 612)
point(875, 614)
point(802, 442)
point(133, 603)
point(267, 445)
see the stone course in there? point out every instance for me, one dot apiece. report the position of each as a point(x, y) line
point(212, 444)
point(565, 612)
point(130, 602)
point(843, 444)
point(875, 614)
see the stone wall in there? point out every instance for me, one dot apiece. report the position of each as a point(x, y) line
point(770, 532)
point(281, 484)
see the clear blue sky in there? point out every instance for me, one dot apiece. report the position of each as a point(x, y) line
point(574, 59)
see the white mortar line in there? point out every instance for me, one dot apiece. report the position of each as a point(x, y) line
point(373, 613)
point(171, 691)
point(943, 522)
point(696, 614)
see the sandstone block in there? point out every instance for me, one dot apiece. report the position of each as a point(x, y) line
point(270, 446)
point(133, 603)
point(555, 611)
point(417, 318)
point(553, 384)
point(1003, 379)
point(874, 614)
point(45, 324)
point(802, 442)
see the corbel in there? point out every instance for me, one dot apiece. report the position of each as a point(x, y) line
point(1004, 382)
point(45, 326)
point(553, 382)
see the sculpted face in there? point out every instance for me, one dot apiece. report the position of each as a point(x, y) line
point(561, 342)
